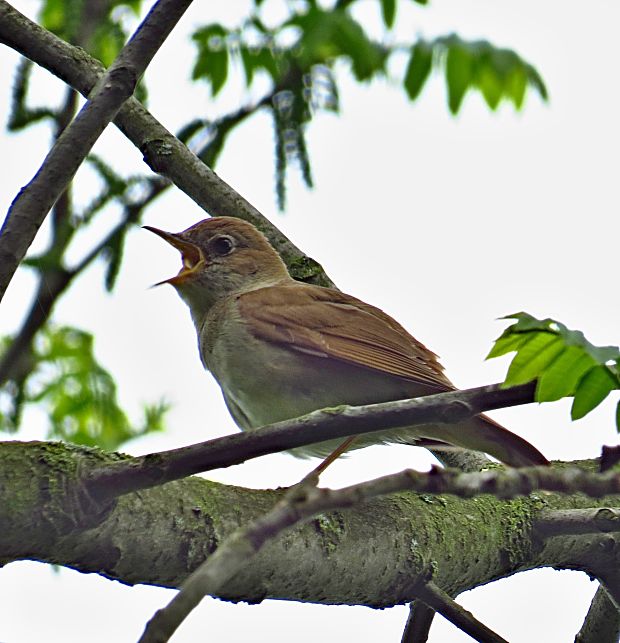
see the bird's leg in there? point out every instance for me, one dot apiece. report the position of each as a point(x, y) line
point(334, 455)
point(312, 479)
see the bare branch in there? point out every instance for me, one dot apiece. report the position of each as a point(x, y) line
point(32, 204)
point(441, 602)
point(155, 469)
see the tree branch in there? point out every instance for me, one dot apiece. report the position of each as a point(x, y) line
point(441, 602)
point(577, 521)
point(163, 152)
point(159, 535)
point(602, 623)
point(157, 468)
point(418, 623)
point(30, 207)
point(229, 558)
point(304, 501)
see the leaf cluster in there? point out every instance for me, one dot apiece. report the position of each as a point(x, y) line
point(77, 392)
point(498, 74)
point(299, 57)
point(102, 28)
point(562, 361)
point(99, 27)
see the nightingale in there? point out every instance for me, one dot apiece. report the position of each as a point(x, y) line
point(280, 348)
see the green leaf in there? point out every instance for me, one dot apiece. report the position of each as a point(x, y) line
point(61, 17)
point(459, 75)
point(78, 394)
point(515, 86)
point(247, 60)
point(418, 69)
point(526, 322)
point(533, 356)
point(499, 74)
point(326, 35)
point(213, 67)
point(507, 342)
point(561, 378)
point(491, 86)
point(255, 59)
point(388, 11)
point(212, 61)
point(537, 82)
point(563, 360)
point(592, 389)
point(108, 40)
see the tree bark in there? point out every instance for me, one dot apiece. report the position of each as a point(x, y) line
point(373, 554)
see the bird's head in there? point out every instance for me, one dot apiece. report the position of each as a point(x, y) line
point(221, 256)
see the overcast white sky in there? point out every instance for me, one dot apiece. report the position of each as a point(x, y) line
point(445, 223)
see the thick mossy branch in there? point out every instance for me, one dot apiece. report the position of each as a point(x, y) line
point(159, 535)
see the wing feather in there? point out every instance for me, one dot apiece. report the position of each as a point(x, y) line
point(328, 323)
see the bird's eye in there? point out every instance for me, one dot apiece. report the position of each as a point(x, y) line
point(223, 245)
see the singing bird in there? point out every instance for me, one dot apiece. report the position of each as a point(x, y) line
point(280, 348)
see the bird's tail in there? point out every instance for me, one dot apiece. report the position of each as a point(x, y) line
point(481, 433)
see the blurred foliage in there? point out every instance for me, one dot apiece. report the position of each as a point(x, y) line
point(97, 25)
point(299, 58)
point(100, 26)
point(498, 74)
point(21, 115)
point(563, 361)
point(77, 393)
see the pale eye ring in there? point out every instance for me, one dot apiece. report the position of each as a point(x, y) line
point(223, 245)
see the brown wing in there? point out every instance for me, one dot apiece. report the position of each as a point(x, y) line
point(328, 323)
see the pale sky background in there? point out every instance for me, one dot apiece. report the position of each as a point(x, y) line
point(445, 223)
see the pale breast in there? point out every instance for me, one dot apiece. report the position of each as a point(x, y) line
point(263, 382)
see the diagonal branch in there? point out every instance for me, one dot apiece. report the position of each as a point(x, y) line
point(441, 602)
point(163, 152)
point(32, 204)
point(157, 468)
point(304, 501)
point(230, 557)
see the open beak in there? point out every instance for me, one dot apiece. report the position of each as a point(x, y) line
point(191, 254)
